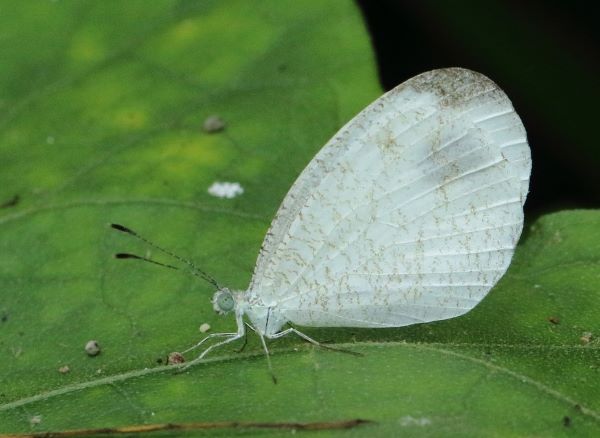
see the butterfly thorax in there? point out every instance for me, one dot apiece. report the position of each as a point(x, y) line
point(266, 318)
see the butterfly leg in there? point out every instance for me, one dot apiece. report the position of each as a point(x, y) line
point(286, 332)
point(211, 336)
point(311, 340)
point(246, 338)
point(230, 338)
point(264, 344)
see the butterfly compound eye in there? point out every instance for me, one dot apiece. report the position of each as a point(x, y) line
point(223, 301)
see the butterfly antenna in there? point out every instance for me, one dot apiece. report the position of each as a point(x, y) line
point(125, 255)
point(193, 268)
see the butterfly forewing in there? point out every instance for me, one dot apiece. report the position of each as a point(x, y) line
point(409, 214)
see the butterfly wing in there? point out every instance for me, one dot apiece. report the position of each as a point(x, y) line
point(410, 213)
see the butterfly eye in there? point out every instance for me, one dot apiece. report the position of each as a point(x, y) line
point(223, 301)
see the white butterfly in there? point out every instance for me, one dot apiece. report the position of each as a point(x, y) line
point(409, 214)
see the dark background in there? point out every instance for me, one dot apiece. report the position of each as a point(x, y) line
point(543, 54)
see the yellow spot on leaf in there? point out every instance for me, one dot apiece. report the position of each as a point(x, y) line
point(130, 119)
point(87, 48)
point(251, 168)
point(185, 31)
point(188, 152)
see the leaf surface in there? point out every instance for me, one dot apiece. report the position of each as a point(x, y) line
point(101, 121)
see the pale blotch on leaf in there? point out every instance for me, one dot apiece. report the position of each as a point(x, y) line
point(64, 369)
point(586, 338)
point(204, 327)
point(412, 421)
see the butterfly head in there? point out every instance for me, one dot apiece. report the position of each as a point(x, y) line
point(223, 301)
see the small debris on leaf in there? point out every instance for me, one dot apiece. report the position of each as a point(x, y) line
point(175, 358)
point(204, 327)
point(92, 348)
point(36, 419)
point(64, 369)
point(566, 421)
point(554, 320)
point(213, 124)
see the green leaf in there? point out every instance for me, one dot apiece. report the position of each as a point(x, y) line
point(101, 121)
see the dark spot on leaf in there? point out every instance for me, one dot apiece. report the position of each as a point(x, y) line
point(4, 317)
point(577, 407)
point(159, 360)
point(554, 320)
point(281, 68)
point(11, 202)
point(566, 421)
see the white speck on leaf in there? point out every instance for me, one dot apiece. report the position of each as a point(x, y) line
point(227, 190)
point(204, 327)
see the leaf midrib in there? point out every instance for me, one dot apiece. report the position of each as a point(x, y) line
point(432, 347)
